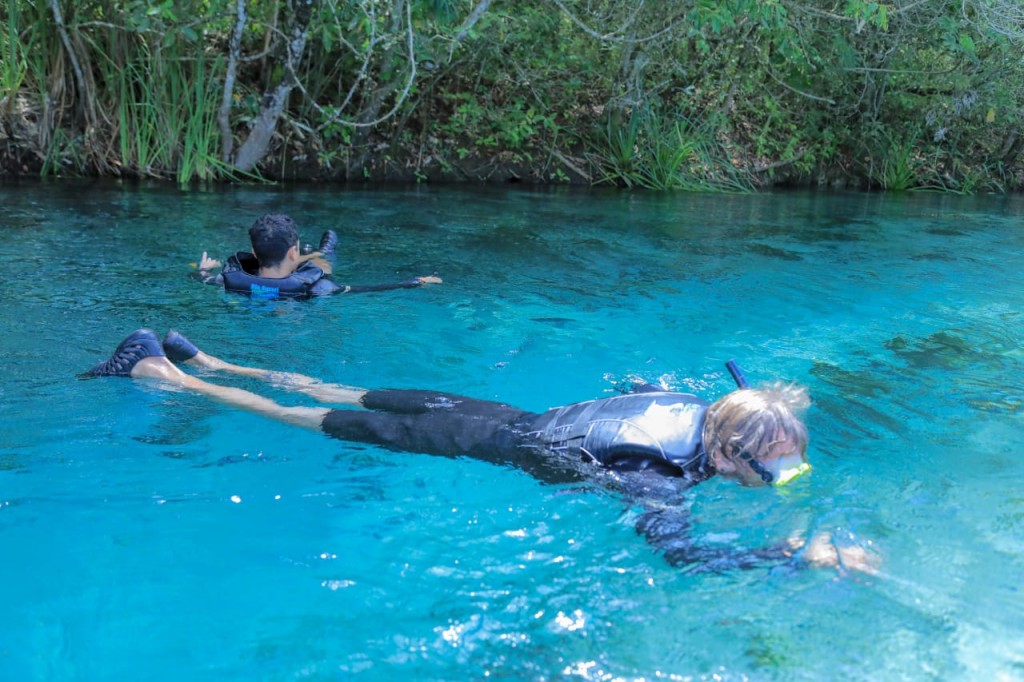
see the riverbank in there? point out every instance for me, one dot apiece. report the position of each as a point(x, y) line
point(448, 162)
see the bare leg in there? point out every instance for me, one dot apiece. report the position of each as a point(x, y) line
point(314, 388)
point(159, 367)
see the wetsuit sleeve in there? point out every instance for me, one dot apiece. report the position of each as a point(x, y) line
point(325, 287)
point(670, 532)
point(207, 277)
point(363, 288)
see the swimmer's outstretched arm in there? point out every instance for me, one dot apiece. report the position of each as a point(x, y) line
point(405, 284)
point(822, 551)
point(669, 530)
point(159, 367)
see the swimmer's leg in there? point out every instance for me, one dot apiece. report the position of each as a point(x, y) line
point(141, 355)
point(159, 367)
point(180, 349)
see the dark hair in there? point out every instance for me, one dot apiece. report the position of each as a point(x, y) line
point(272, 235)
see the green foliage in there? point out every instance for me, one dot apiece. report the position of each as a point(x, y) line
point(144, 144)
point(874, 13)
point(64, 156)
point(495, 125)
point(895, 166)
point(198, 132)
point(699, 95)
point(655, 151)
point(13, 64)
point(618, 154)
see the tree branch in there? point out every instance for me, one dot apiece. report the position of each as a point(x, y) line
point(471, 20)
point(83, 86)
point(380, 92)
point(612, 37)
point(808, 95)
point(255, 147)
point(227, 143)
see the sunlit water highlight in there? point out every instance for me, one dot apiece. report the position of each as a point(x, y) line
point(154, 535)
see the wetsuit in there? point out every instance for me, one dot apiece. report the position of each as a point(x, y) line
point(241, 275)
point(647, 445)
point(659, 432)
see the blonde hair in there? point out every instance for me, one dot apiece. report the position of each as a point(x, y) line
point(753, 420)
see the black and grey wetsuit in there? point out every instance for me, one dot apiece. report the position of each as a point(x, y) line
point(240, 275)
point(654, 431)
point(648, 443)
point(657, 432)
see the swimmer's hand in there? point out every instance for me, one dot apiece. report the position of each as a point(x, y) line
point(207, 263)
point(318, 261)
point(429, 279)
point(822, 552)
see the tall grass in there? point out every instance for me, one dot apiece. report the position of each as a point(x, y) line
point(196, 123)
point(145, 148)
point(63, 154)
point(655, 151)
point(166, 105)
point(895, 166)
point(156, 101)
point(669, 149)
point(13, 66)
point(617, 153)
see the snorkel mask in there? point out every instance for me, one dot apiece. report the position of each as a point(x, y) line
point(776, 472)
point(779, 471)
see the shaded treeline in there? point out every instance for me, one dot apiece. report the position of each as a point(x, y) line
point(693, 94)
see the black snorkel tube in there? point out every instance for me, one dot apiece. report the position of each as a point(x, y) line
point(782, 476)
point(741, 382)
point(737, 374)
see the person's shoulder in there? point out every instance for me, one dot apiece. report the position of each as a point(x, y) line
point(309, 272)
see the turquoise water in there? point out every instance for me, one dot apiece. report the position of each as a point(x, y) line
point(157, 536)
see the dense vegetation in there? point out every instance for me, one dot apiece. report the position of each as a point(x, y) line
point(692, 94)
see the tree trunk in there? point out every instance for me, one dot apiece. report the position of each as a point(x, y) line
point(298, 14)
point(227, 142)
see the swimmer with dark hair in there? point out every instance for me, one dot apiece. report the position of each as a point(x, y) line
point(650, 445)
point(277, 267)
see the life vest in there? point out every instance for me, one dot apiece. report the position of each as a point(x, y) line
point(660, 431)
point(307, 280)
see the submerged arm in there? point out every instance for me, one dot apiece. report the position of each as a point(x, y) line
point(669, 530)
point(406, 284)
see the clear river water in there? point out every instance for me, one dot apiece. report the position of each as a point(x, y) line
point(155, 535)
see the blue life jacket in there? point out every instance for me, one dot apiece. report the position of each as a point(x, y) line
point(307, 281)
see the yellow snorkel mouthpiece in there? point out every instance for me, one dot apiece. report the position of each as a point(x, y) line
point(786, 469)
point(788, 475)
